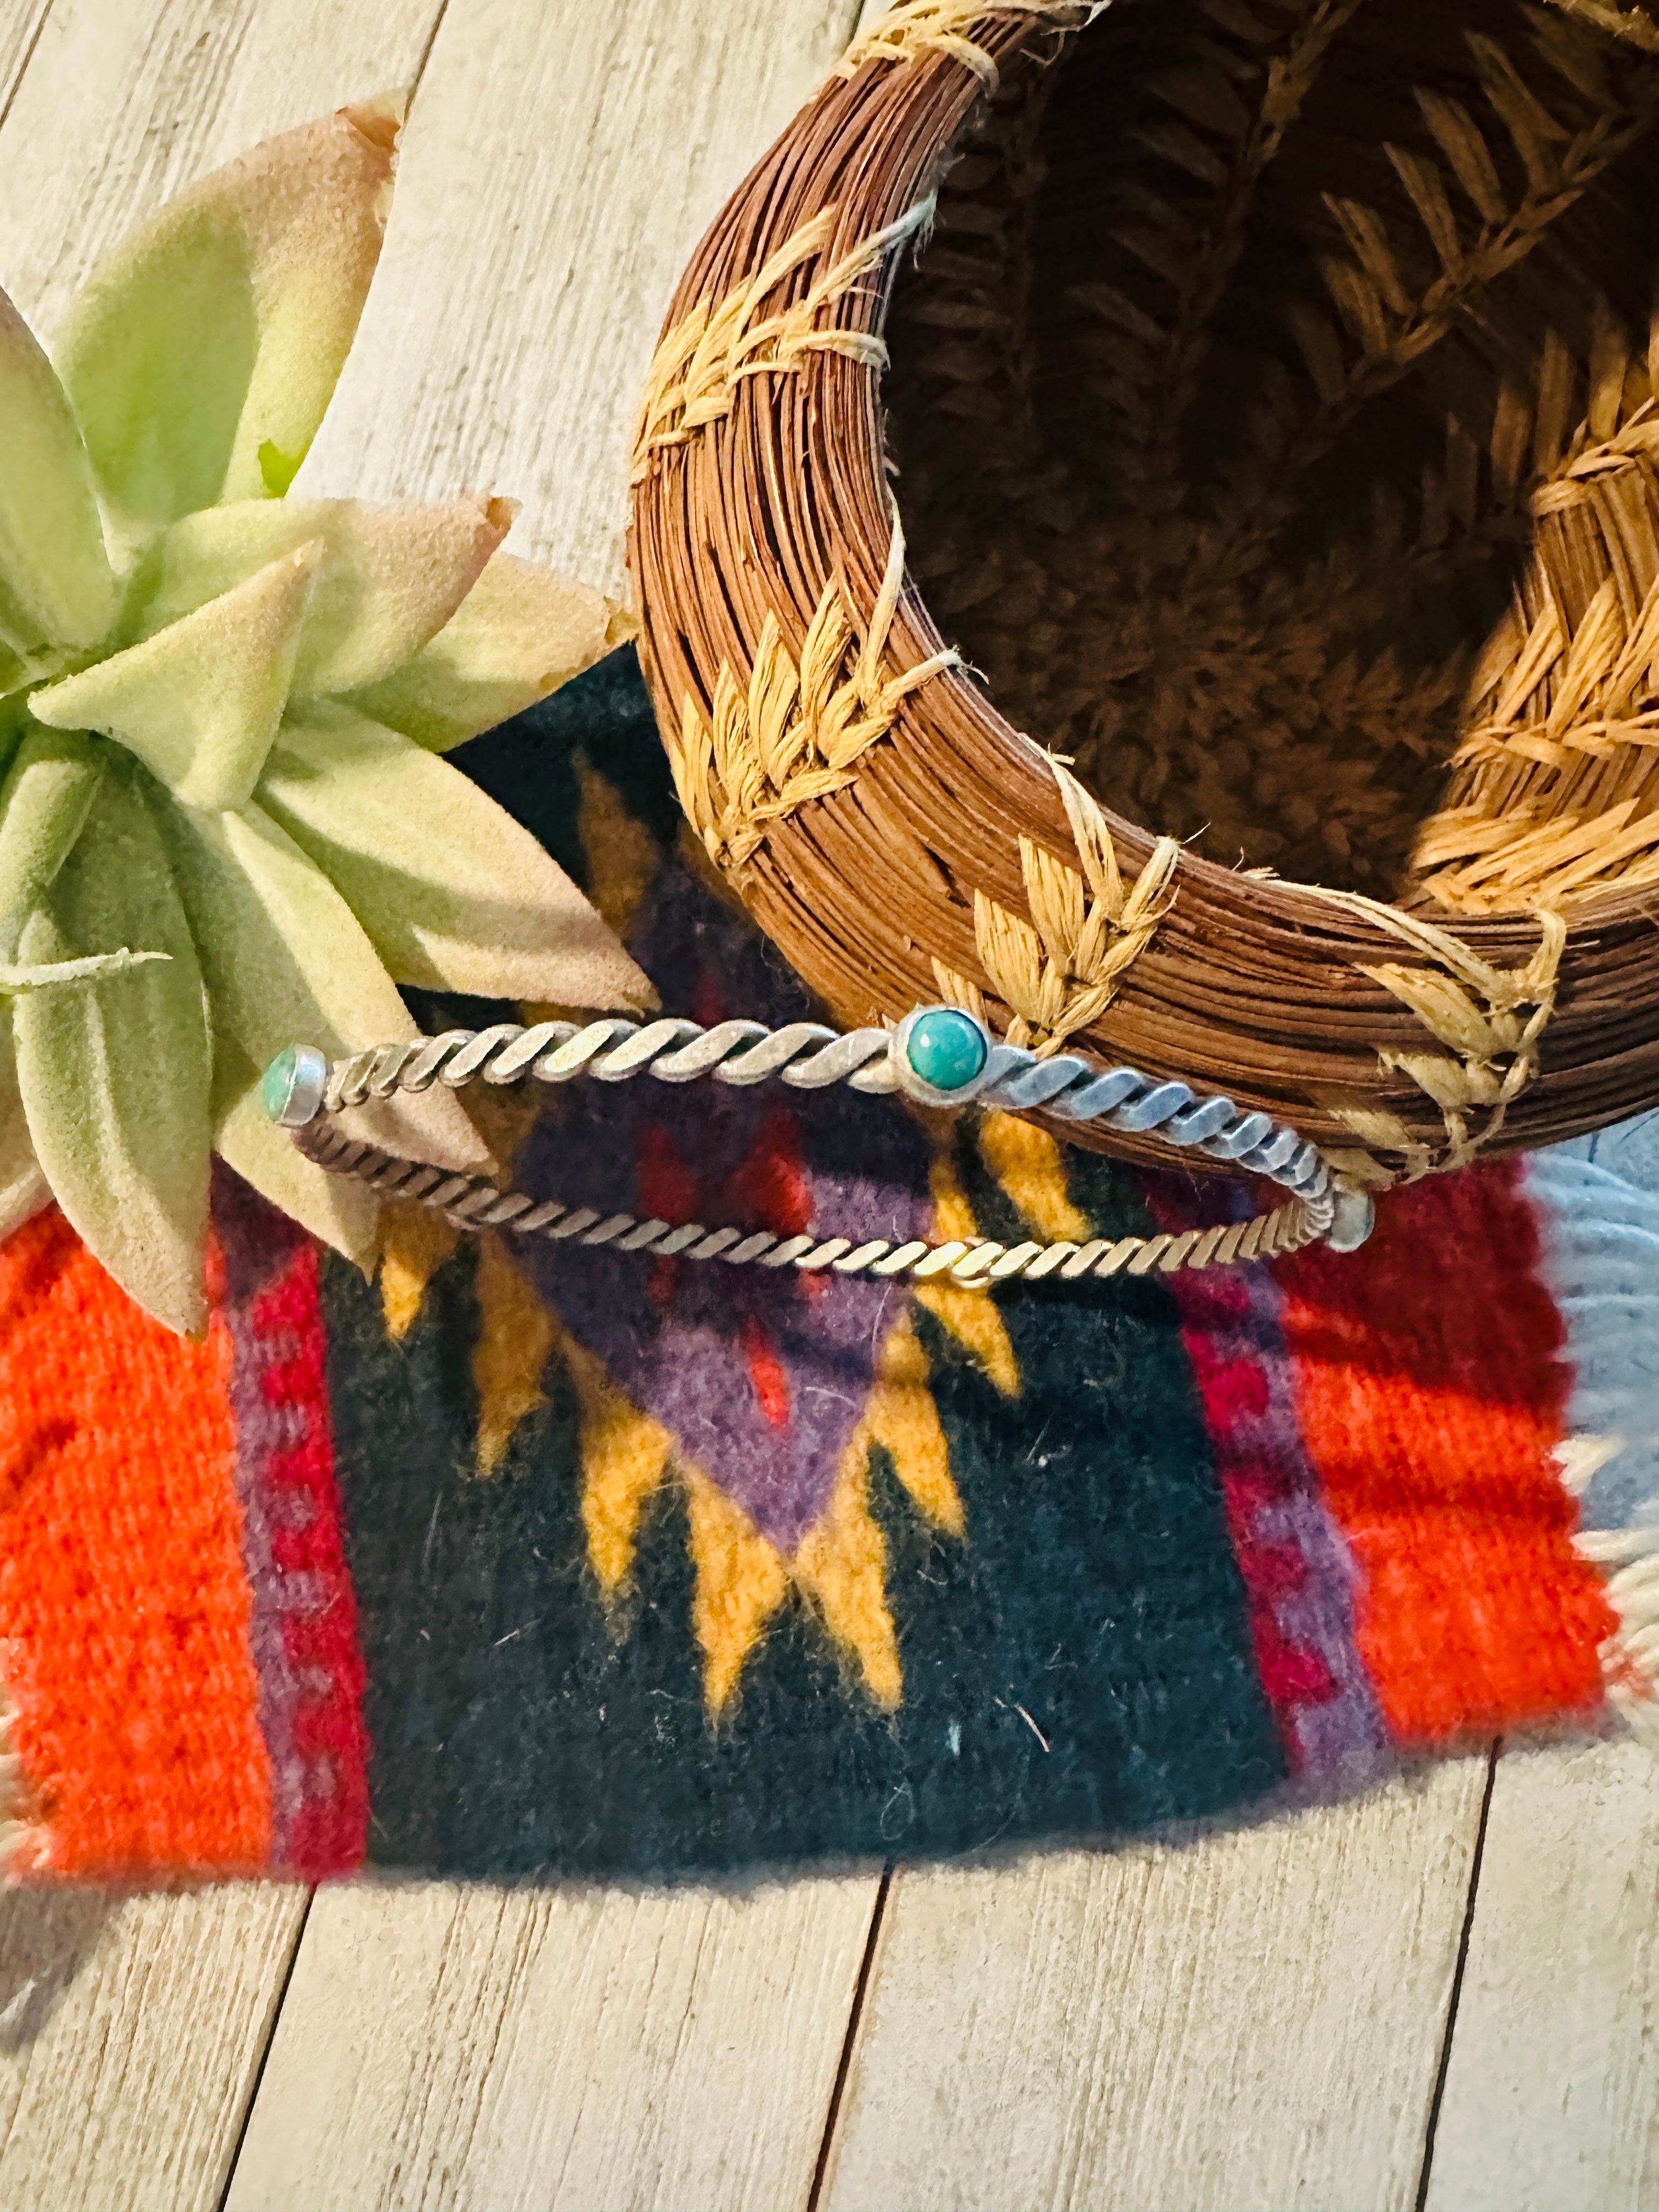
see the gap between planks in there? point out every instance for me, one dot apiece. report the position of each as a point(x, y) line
point(1552, 2094)
point(558, 169)
point(131, 2029)
point(849, 2041)
point(567, 2049)
point(1254, 2020)
point(124, 102)
point(1426, 2162)
point(22, 22)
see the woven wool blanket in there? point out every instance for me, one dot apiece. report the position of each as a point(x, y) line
point(522, 1559)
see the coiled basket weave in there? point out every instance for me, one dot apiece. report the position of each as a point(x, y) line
point(1147, 526)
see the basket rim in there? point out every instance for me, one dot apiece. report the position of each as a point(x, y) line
point(921, 106)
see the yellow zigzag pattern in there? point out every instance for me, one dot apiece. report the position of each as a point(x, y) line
point(1031, 1167)
point(515, 1334)
point(742, 1579)
point(972, 1316)
point(839, 1570)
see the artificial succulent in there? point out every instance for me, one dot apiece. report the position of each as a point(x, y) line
point(225, 822)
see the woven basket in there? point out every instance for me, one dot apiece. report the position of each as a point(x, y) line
point(1269, 416)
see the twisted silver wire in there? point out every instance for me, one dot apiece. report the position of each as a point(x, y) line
point(806, 1055)
point(473, 1202)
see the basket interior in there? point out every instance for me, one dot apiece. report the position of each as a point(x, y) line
point(1273, 413)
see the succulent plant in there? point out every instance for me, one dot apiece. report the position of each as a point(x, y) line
point(225, 822)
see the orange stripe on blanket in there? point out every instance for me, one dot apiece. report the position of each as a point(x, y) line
point(123, 1606)
point(1431, 1393)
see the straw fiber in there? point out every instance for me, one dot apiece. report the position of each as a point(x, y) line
point(1252, 401)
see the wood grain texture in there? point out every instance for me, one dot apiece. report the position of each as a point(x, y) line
point(20, 26)
point(494, 2049)
point(1251, 2020)
point(126, 101)
point(130, 2032)
point(1552, 2097)
point(561, 163)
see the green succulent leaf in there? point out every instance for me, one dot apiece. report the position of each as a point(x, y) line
point(14, 720)
point(199, 701)
point(388, 579)
point(55, 581)
point(23, 1189)
point(115, 1081)
point(287, 963)
point(334, 1207)
point(277, 469)
point(221, 325)
point(517, 635)
point(44, 805)
point(205, 855)
point(453, 893)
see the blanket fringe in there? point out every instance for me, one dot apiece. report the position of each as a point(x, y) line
point(22, 1836)
point(1601, 1258)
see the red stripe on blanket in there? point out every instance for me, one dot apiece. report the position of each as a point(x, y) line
point(1298, 1577)
point(1431, 1391)
point(305, 1614)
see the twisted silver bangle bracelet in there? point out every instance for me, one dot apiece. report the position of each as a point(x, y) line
point(938, 1055)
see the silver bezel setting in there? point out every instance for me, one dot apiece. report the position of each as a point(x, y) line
point(305, 1094)
point(912, 1085)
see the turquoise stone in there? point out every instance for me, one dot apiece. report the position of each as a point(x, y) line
point(281, 1080)
point(945, 1049)
point(293, 1085)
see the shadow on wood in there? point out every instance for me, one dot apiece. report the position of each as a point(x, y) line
point(46, 1938)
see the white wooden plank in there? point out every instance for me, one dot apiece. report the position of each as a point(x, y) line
point(1552, 2096)
point(1251, 2020)
point(571, 2050)
point(19, 25)
point(130, 2032)
point(562, 162)
point(125, 101)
